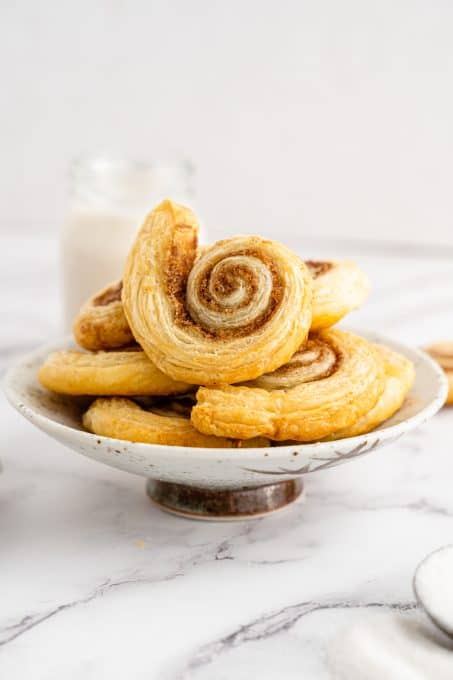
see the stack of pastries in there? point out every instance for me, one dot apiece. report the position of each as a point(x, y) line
point(226, 345)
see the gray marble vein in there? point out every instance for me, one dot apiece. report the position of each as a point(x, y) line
point(270, 625)
point(95, 582)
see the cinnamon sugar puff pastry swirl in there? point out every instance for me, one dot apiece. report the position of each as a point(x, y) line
point(238, 310)
point(101, 322)
point(339, 287)
point(328, 385)
point(128, 373)
point(399, 377)
point(442, 352)
point(161, 424)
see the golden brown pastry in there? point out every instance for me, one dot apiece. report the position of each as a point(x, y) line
point(339, 287)
point(327, 386)
point(399, 377)
point(101, 322)
point(126, 373)
point(236, 311)
point(442, 352)
point(160, 424)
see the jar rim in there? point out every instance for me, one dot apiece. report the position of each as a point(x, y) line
point(116, 165)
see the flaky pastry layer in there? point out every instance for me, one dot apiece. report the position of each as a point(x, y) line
point(399, 378)
point(339, 287)
point(128, 373)
point(237, 310)
point(124, 419)
point(101, 323)
point(348, 382)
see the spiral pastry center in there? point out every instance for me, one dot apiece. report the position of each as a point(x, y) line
point(315, 361)
point(229, 294)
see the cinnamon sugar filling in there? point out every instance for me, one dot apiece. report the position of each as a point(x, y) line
point(225, 285)
point(318, 267)
point(322, 349)
point(112, 294)
point(177, 272)
point(180, 260)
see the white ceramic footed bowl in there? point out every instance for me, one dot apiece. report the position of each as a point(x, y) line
point(60, 417)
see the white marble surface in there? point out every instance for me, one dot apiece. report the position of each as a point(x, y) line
point(97, 583)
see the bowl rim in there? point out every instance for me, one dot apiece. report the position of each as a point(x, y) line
point(391, 432)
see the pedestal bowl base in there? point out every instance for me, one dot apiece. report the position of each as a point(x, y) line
point(223, 504)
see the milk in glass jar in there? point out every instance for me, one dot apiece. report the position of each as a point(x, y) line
point(109, 199)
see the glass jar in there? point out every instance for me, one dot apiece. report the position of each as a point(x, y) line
point(109, 199)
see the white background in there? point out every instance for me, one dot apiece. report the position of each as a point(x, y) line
point(304, 119)
point(318, 117)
